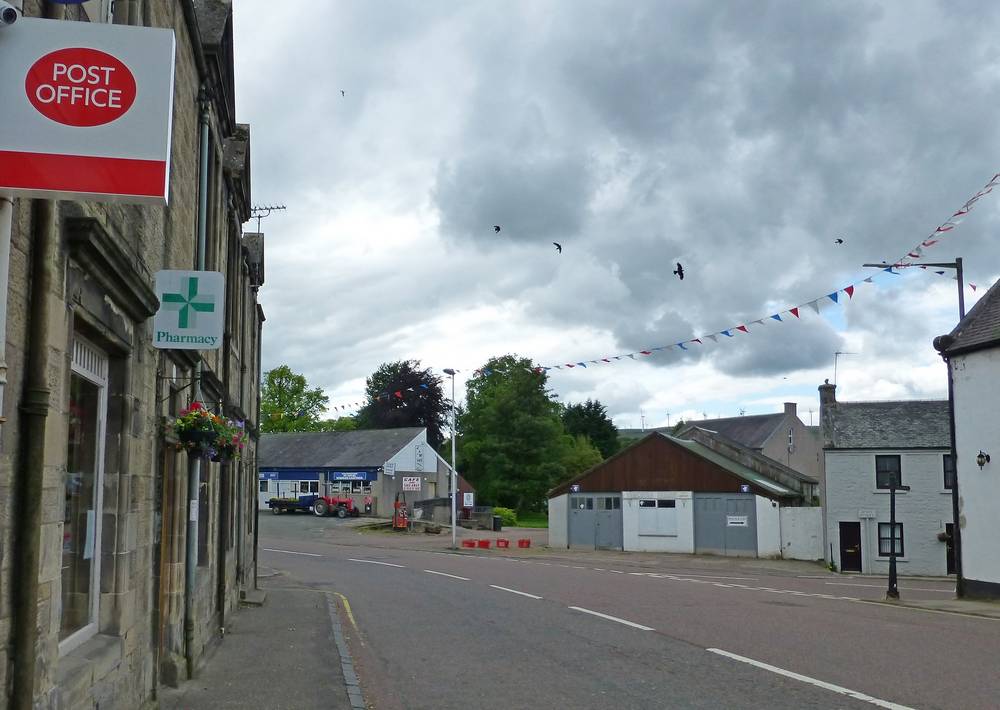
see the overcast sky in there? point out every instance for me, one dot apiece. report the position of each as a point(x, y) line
point(738, 138)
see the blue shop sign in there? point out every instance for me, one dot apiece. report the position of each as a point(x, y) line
point(352, 476)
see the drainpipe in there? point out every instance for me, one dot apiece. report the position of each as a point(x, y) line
point(194, 471)
point(942, 343)
point(31, 468)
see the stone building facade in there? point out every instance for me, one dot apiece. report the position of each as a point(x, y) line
point(93, 491)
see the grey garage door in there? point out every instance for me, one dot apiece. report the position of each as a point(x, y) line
point(725, 524)
point(595, 520)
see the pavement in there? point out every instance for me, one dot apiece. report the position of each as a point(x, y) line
point(289, 653)
point(965, 607)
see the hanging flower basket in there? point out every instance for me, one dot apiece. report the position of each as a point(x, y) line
point(202, 433)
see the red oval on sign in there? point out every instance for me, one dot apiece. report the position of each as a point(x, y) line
point(78, 86)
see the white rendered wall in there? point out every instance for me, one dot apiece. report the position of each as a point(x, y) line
point(802, 533)
point(559, 521)
point(851, 494)
point(682, 541)
point(768, 528)
point(976, 380)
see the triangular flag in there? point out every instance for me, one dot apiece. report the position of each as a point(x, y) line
point(681, 346)
point(645, 352)
point(939, 273)
point(696, 340)
point(398, 394)
point(794, 311)
point(868, 280)
point(409, 389)
point(777, 317)
point(814, 304)
point(833, 296)
point(743, 328)
point(423, 386)
point(889, 270)
point(972, 286)
point(568, 365)
point(759, 321)
point(617, 357)
point(726, 333)
point(631, 355)
point(715, 338)
point(594, 362)
point(849, 290)
point(582, 364)
point(604, 359)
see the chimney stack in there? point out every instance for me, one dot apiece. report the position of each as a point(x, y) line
point(790, 408)
point(827, 408)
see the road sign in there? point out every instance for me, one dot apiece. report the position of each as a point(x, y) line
point(192, 310)
point(86, 110)
point(411, 483)
point(390, 469)
point(744, 488)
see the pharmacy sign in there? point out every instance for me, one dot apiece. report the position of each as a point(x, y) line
point(192, 306)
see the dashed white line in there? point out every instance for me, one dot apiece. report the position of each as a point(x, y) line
point(445, 574)
point(375, 562)
point(514, 591)
point(811, 681)
point(612, 618)
point(291, 552)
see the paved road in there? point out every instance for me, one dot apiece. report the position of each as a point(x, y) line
point(444, 630)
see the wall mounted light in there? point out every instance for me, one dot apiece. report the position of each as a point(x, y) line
point(982, 459)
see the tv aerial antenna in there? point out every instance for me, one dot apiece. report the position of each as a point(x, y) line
point(836, 357)
point(261, 211)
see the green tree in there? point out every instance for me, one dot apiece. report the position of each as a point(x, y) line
point(512, 442)
point(401, 394)
point(591, 420)
point(287, 403)
point(338, 424)
point(579, 454)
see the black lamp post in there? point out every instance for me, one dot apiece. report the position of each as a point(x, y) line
point(893, 591)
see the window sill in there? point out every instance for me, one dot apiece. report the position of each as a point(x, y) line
point(657, 535)
point(91, 661)
point(946, 492)
point(885, 491)
point(886, 559)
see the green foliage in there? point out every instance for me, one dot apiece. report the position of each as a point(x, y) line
point(419, 402)
point(287, 403)
point(338, 424)
point(512, 441)
point(532, 520)
point(591, 420)
point(507, 516)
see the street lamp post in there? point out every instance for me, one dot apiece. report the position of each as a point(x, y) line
point(956, 535)
point(893, 591)
point(454, 475)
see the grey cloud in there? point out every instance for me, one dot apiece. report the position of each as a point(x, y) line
point(777, 348)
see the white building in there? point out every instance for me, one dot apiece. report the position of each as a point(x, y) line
point(864, 443)
point(972, 350)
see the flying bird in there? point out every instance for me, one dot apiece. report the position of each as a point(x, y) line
point(679, 271)
point(558, 247)
point(342, 93)
point(838, 240)
point(496, 228)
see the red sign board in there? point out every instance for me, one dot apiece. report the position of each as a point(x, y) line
point(78, 86)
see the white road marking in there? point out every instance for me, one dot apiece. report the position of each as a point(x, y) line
point(291, 552)
point(598, 569)
point(612, 618)
point(883, 586)
point(811, 681)
point(616, 571)
point(514, 591)
point(445, 574)
point(374, 562)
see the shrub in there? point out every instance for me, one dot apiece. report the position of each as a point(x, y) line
point(507, 516)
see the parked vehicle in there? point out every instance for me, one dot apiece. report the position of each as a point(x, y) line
point(320, 505)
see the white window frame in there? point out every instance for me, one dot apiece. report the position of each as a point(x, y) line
point(91, 363)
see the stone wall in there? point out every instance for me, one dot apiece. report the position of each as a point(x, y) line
point(102, 292)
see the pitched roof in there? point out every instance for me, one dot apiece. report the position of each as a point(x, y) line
point(746, 451)
point(735, 468)
point(915, 424)
point(981, 326)
point(751, 430)
point(364, 448)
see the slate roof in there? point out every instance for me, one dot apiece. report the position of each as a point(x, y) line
point(751, 431)
point(364, 448)
point(915, 424)
point(755, 455)
point(981, 326)
point(735, 468)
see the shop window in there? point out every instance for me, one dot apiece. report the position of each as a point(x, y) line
point(84, 481)
point(263, 486)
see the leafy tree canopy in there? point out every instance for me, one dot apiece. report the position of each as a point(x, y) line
point(287, 403)
point(591, 420)
point(338, 424)
point(513, 445)
point(401, 394)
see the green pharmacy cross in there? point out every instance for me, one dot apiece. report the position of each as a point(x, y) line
point(189, 306)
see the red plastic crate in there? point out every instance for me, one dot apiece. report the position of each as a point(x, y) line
point(484, 544)
point(524, 542)
point(468, 543)
point(501, 542)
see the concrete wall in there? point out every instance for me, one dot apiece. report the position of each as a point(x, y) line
point(559, 521)
point(682, 540)
point(801, 533)
point(976, 380)
point(923, 511)
point(768, 528)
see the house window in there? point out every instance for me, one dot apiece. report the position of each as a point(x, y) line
point(791, 439)
point(885, 540)
point(949, 471)
point(887, 468)
point(84, 478)
point(263, 486)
